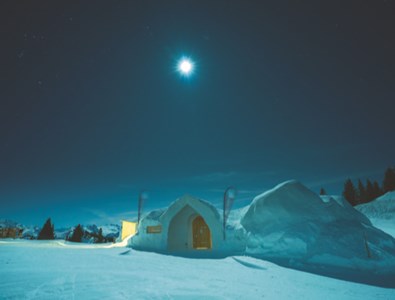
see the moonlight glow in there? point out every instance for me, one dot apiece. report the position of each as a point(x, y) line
point(185, 66)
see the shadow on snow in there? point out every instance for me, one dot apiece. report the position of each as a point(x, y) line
point(352, 275)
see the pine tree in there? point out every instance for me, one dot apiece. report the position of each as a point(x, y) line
point(77, 235)
point(47, 232)
point(389, 180)
point(100, 238)
point(369, 191)
point(349, 192)
point(377, 192)
point(322, 192)
point(361, 195)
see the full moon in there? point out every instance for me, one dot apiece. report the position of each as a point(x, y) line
point(185, 66)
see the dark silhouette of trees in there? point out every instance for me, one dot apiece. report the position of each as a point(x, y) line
point(77, 235)
point(350, 193)
point(364, 194)
point(369, 192)
point(47, 232)
point(361, 194)
point(100, 238)
point(377, 192)
point(389, 180)
point(322, 192)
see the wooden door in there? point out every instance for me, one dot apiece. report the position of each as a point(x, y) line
point(201, 234)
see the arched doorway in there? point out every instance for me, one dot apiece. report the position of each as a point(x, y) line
point(201, 234)
point(188, 231)
point(180, 236)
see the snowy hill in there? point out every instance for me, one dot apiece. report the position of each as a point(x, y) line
point(381, 208)
point(291, 223)
point(381, 212)
point(4, 223)
point(111, 230)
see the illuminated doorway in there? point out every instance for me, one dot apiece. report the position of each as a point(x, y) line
point(201, 234)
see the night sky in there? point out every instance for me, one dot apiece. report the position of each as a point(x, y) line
point(93, 109)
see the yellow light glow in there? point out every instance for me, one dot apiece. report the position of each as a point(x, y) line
point(128, 228)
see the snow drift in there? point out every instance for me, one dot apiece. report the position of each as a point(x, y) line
point(381, 212)
point(292, 223)
point(381, 208)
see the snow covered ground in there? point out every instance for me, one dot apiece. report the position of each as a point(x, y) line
point(381, 212)
point(61, 270)
point(387, 226)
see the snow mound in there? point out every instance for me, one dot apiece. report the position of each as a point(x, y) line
point(291, 202)
point(292, 222)
point(381, 208)
point(381, 212)
point(339, 199)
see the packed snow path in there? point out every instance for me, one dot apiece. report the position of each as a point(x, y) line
point(58, 270)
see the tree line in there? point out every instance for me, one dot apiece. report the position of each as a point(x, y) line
point(77, 235)
point(363, 193)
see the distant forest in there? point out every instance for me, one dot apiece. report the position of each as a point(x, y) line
point(361, 193)
point(78, 234)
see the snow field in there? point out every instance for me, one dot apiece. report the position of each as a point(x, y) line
point(56, 270)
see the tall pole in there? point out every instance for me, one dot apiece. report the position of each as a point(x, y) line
point(229, 197)
point(224, 214)
point(142, 198)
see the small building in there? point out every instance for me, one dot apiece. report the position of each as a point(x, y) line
point(188, 226)
point(128, 229)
